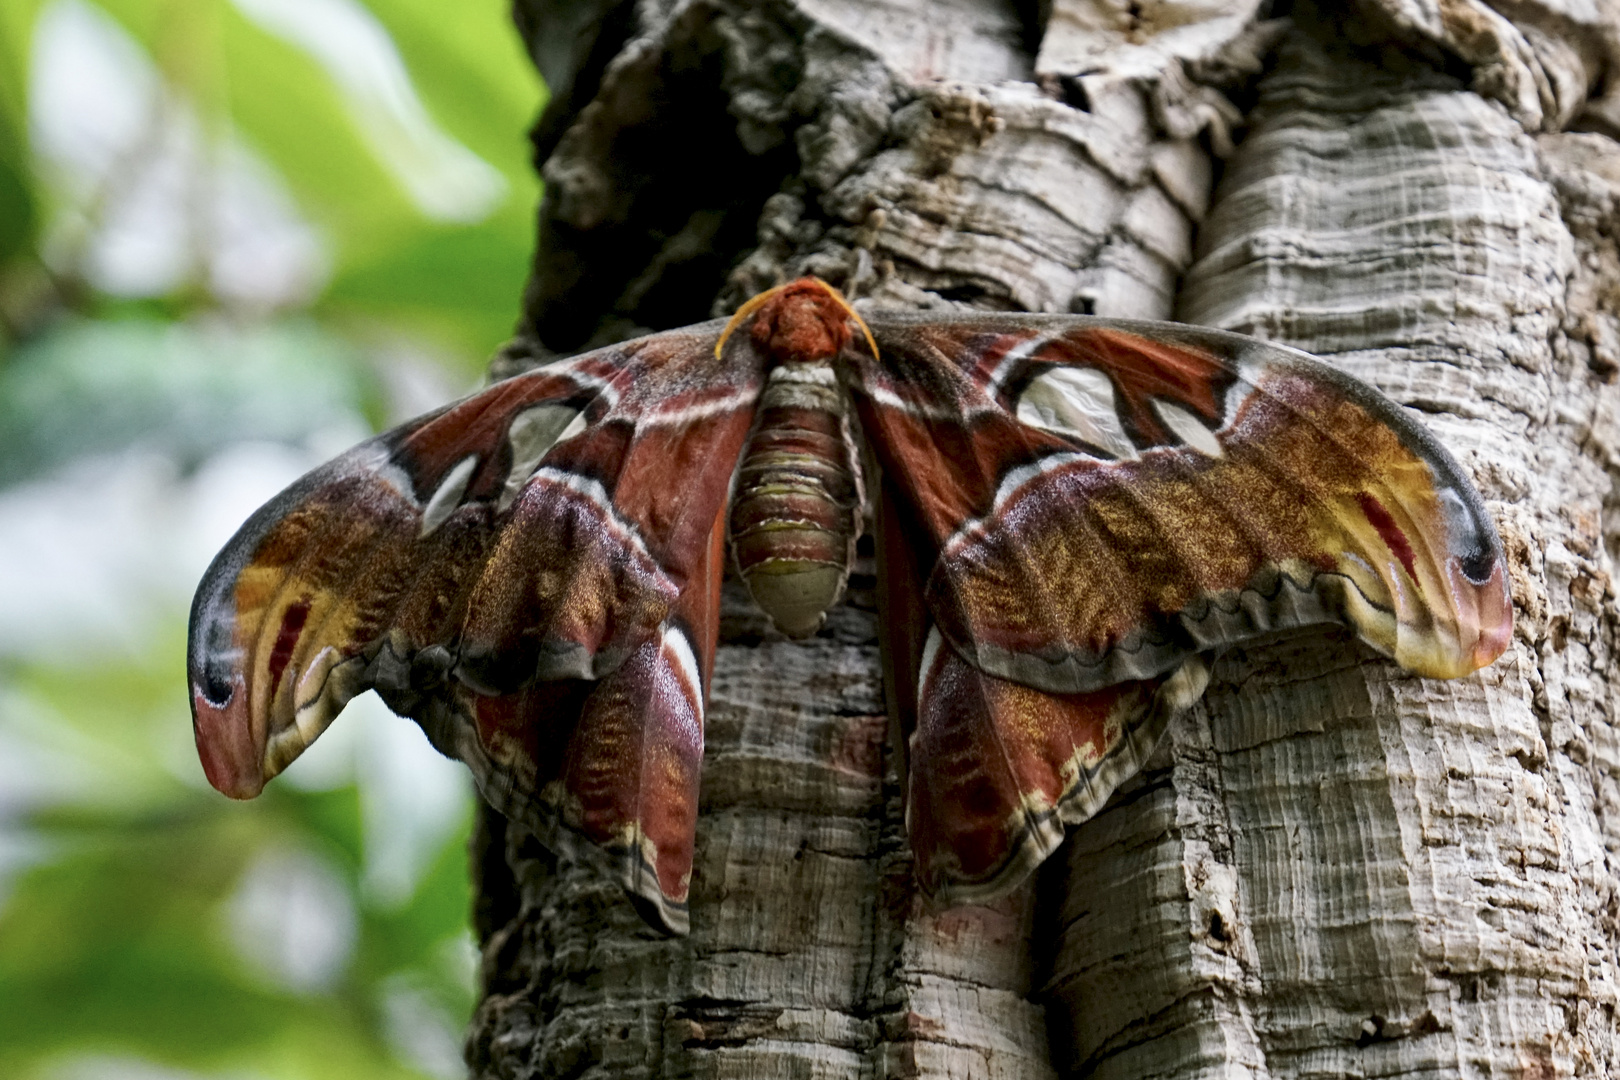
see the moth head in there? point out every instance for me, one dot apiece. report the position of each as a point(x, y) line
point(806, 319)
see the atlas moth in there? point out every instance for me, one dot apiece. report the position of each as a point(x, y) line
point(1072, 514)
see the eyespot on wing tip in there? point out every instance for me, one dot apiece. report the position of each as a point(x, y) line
point(230, 755)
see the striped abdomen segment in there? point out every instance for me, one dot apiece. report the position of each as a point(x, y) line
point(796, 512)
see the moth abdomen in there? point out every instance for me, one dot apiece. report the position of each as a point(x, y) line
point(796, 512)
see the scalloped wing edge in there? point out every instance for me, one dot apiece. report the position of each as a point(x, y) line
point(1036, 828)
point(623, 861)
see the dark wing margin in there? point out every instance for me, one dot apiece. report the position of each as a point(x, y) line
point(1094, 505)
point(623, 775)
point(530, 573)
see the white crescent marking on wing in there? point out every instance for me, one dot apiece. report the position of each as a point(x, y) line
point(1189, 429)
point(925, 668)
point(594, 492)
point(1010, 485)
point(684, 663)
point(1248, 378)
point(531, 434)
point(890, 400)
point(447, 497)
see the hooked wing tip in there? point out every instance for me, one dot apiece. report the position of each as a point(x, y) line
point(232, 757)
point(1476, 628)
point(1495, 617)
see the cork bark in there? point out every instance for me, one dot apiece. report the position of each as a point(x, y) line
point(1329, 868)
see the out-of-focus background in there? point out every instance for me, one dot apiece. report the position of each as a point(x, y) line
point(236, 236)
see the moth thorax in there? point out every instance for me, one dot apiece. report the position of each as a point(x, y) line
point(796, 512)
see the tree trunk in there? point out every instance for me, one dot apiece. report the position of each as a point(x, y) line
point(1330, 868)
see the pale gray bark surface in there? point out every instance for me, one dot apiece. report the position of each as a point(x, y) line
point(1330, 868)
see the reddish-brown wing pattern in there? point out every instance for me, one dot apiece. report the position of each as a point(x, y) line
point(532, 573)
point(1101, 503)
point(1073, 514)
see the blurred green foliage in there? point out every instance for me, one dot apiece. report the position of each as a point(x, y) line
point(127, 885)
point(118, 942)
point(94, 386)
point(394, 268)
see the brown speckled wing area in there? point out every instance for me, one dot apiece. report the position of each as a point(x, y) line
point(509, 570)
point(1094, 506)
point(1105, 499)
